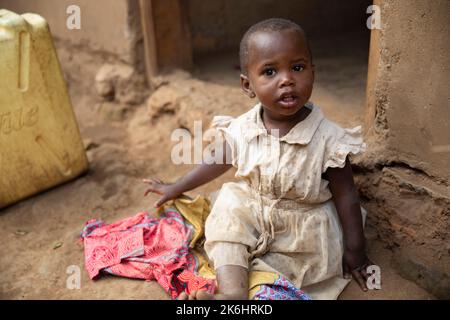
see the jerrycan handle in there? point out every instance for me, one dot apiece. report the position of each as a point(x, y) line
point(24, 60)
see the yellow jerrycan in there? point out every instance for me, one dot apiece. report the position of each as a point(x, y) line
point(40, 143)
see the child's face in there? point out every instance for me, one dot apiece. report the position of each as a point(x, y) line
point(280, 71)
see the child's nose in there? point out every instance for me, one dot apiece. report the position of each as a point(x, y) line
point(286, 80)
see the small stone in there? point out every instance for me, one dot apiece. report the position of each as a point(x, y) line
point(57, 245)
point(20, 232)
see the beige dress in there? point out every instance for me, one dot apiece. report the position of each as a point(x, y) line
point(279, 216)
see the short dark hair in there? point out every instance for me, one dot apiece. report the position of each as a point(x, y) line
point(273, 24)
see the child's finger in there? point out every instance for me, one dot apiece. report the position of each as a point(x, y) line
point(160, 202)
point(347, 274)
point(152, 190)
point(152, 181)
point(359, 279)
point(364, 273)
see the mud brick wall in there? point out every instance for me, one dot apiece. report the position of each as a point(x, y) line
point(404, 177)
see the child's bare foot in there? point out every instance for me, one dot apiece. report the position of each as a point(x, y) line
point(232, 283)
point(202, 295)
point(198, 295)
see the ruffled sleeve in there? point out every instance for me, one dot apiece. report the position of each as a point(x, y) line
point(225, 128)
point(343, 143)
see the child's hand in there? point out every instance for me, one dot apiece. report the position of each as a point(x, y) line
point(355, 264)
point(168, 191)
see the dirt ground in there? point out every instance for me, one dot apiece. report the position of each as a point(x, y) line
point(127, 144)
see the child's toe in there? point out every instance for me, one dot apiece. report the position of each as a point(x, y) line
point(203, 295)
point(183, 296)
point(193, 295)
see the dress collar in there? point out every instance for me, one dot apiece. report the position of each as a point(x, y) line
point(301, 133)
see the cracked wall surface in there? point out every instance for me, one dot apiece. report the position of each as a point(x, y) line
point(409, 99)
point(404, 177)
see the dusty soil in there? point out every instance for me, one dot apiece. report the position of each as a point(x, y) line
point(126, 144)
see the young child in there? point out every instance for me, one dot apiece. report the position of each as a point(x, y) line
point(295, 209)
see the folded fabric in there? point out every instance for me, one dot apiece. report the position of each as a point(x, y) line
point(146, 247)
point(168, 248)
point(279, 288)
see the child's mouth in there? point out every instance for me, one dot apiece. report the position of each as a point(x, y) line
point(288, 101)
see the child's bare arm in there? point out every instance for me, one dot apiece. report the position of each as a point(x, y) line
point(198, 176)
point(346, 199)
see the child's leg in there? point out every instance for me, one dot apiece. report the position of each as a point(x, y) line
point(232, 282)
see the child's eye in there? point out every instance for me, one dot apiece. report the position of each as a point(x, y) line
point(298, 68)
point(269, 72)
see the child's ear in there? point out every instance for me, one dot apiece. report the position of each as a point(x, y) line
point(246, 87)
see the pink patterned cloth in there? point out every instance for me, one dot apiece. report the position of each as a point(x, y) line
point(147, 248)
